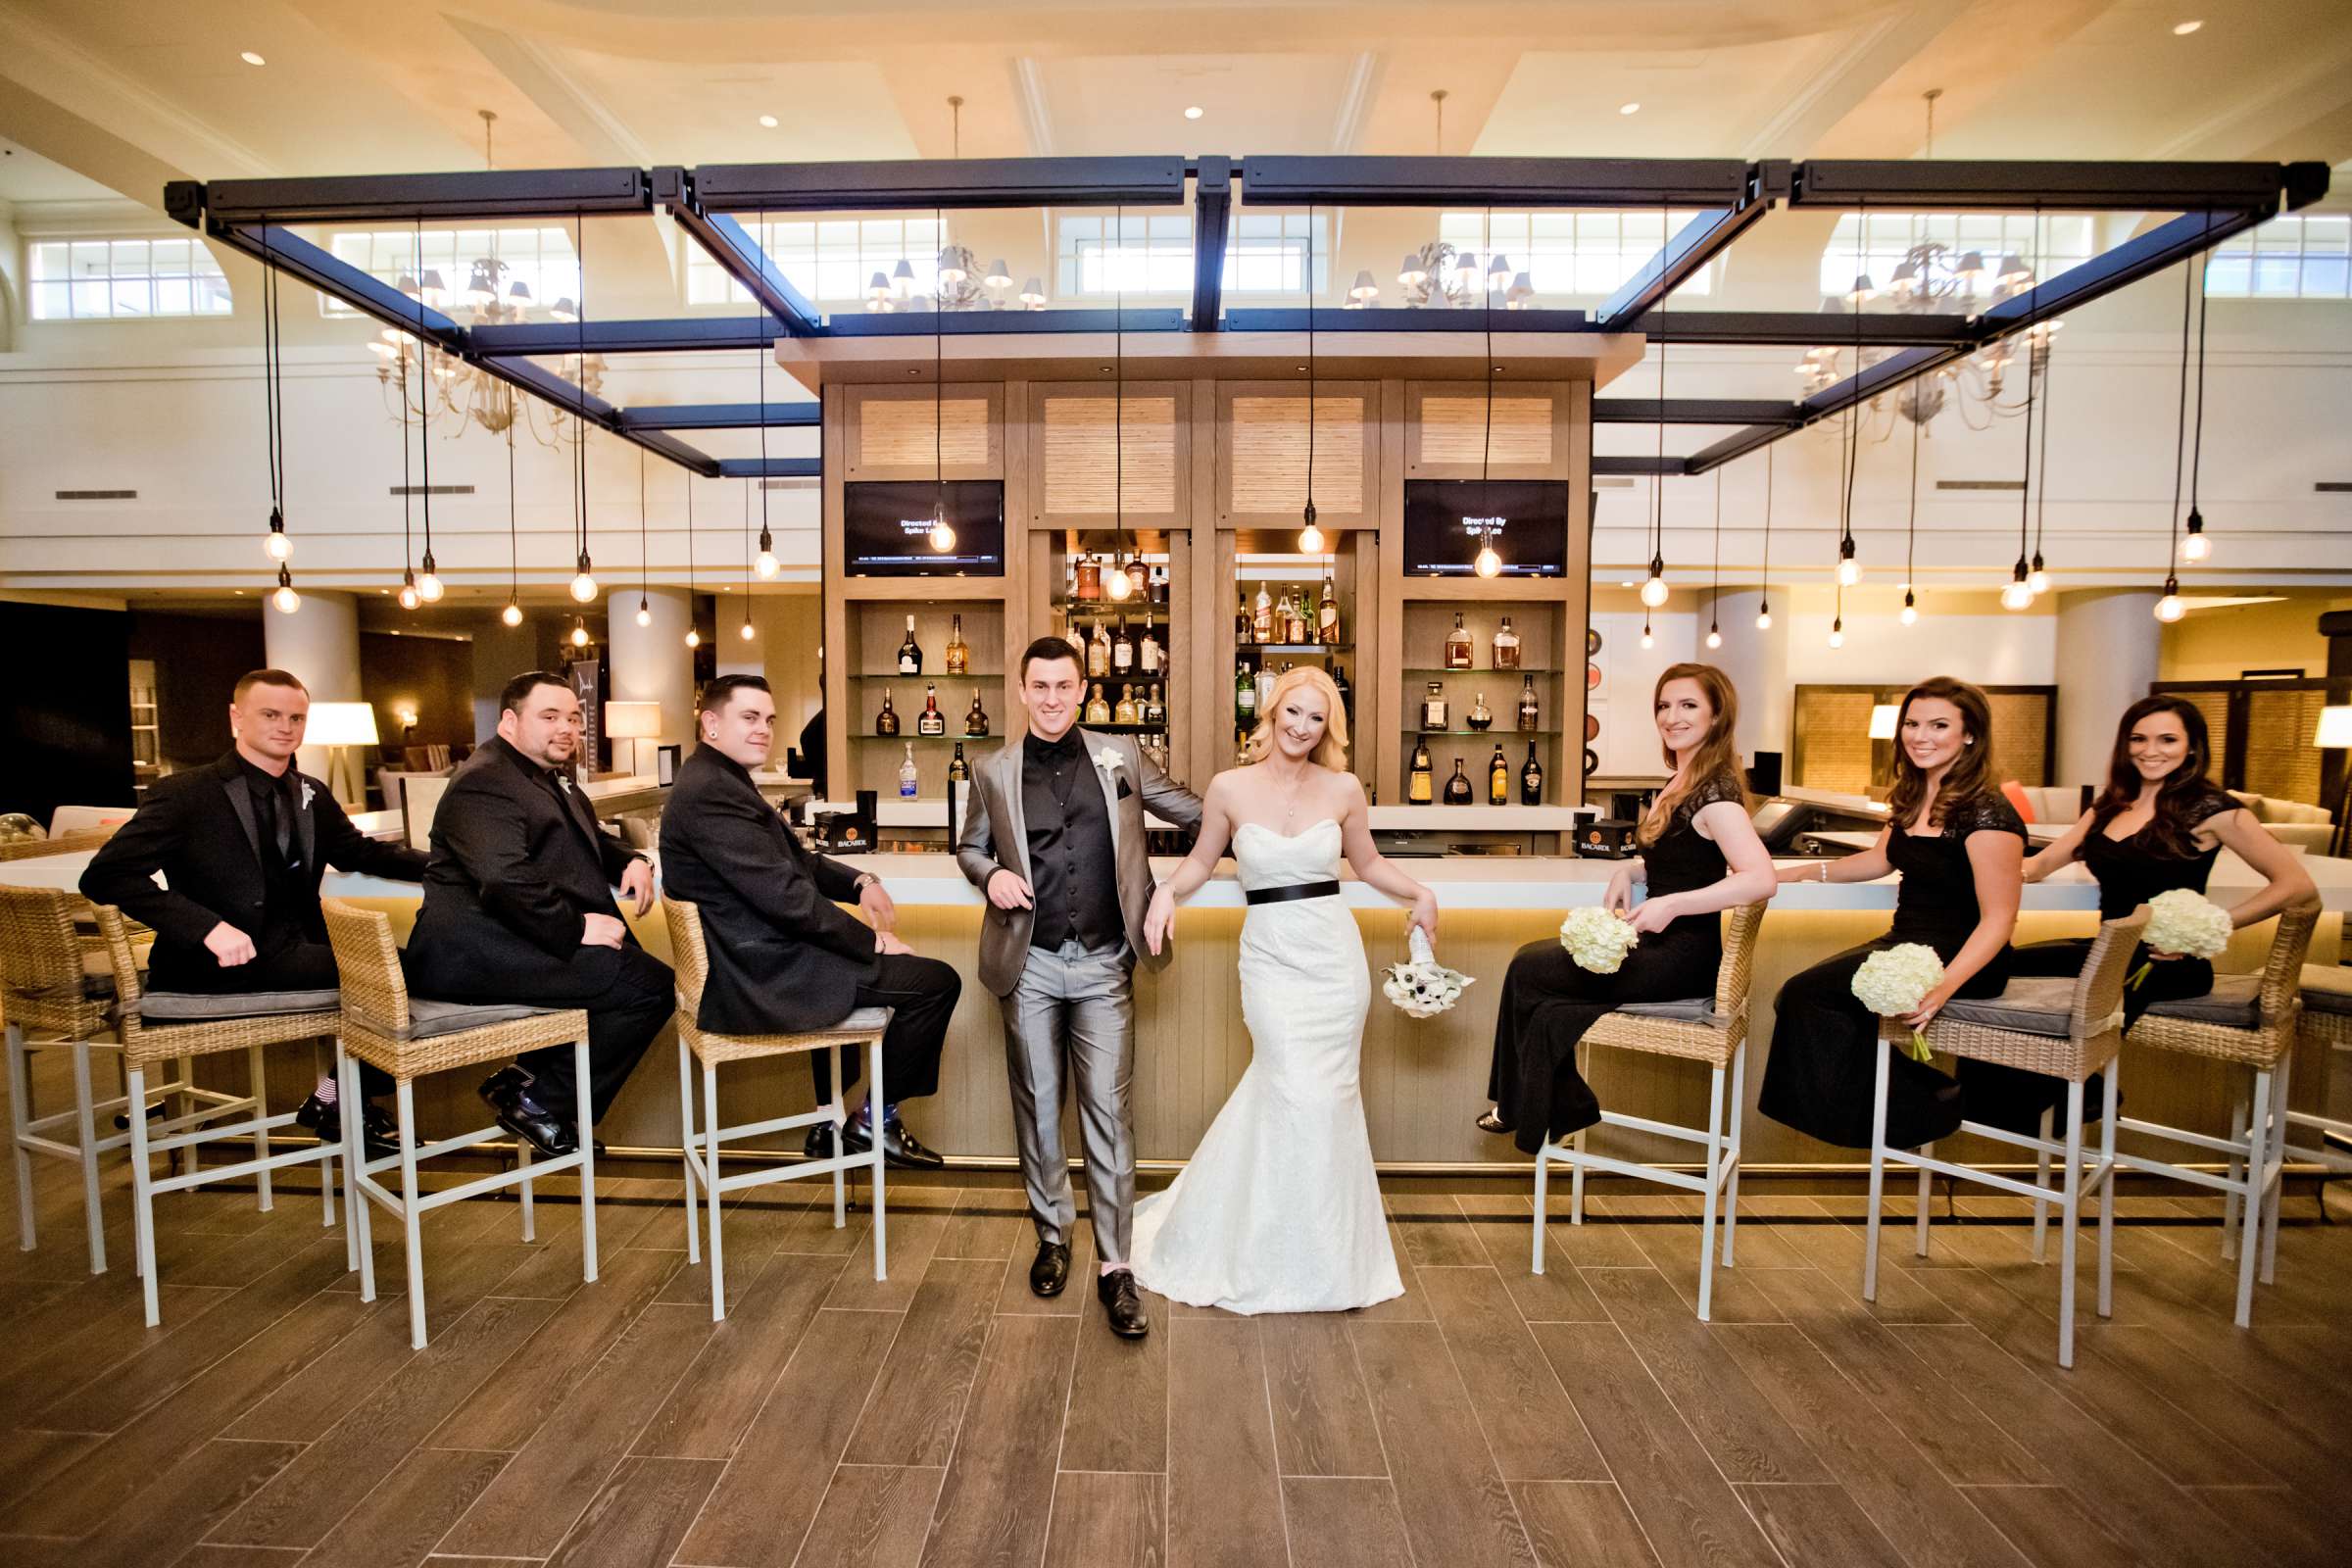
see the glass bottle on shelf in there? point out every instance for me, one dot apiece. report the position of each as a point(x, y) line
point(931, 721)
point(1089, 580)
point(886, 723)
point(1283, 615)
point(959, 771)
point(1265, 687)
point(1480, 716)
point(959, 652)
point(1531, 779)
point(1434, 711)
point(1417, 782)
point(1261, 618)
point(1507, 645)
point(1242, 632)
point(911, 652)
point(1457, 645)
point(1499, 778)
point(1122, 651)
point(1244, 696)
point(1098, 710)
point(1147, 651)
point(1345, 688)
point(1125, 712)
point(1458, 788)
point(1097, 652)
point(1327, 615)
point(975, 718)
point(1302, 619)
point(906, 775)
point(1155, 711)
point(1529, 714)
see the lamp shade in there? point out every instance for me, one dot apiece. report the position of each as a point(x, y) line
point(2335, 729)
point(632, 722)
point(1881, 722)
point(341, 725)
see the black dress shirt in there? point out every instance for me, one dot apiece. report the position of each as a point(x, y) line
point(1073, 875)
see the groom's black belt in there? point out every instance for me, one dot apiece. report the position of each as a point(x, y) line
point(1300, 889)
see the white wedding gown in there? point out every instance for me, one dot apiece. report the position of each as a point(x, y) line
point(1279, 1210)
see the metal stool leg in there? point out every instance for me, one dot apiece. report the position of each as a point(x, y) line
point(1706, 1223)
point(877, 1103)
point(327, 1163)
point(85, 1136)
point(1925, 1209)
point(711, 1129)
point(1737, 1089)
point(2274, 1171)
point(257, 1087)
point(20, 1113)
point(586, 1129)
point(2246, 1200)
point(1877, 1181)
point(2232, 1199)
point(1542, 1203)
point(2041, 1179)
point(142, 1198)
point(354, 1135)
point(841, 1148)
point(2107, 1198)
point(358, 1207)
point(412, 1237)
point(2070, 1222)
point(694, 1237)
point(1576, 1141)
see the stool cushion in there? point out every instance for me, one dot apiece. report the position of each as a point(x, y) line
point(864, 1021)
point(2327, 988)
point(2029, 1004)
point(428, 1018)
point(181, 1007)
point(1697, 1009)
point(2234, 1003)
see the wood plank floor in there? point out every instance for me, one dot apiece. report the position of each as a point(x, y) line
point(946, 1417)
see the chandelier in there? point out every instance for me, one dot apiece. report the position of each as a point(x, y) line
point(962, 286)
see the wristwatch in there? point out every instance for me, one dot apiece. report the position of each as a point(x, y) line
point(865, 879)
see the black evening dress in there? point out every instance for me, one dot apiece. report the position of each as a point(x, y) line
point(1825, 1045)
point(2131, 871)
point(1548, 1002)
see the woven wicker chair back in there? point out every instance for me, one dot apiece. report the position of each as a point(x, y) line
point(39, 954)
point(2099, 986)
point(687, 952)
point(2283, 975)
point(114, 929)
point(366, 963)
point(1738, 967)
point(85, 838)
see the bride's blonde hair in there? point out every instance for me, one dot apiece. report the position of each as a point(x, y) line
point(1332, 750)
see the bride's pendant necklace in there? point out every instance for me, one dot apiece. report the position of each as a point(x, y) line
point(1291, 805)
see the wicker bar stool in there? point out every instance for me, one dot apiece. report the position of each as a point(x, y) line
point(1709, 1029)
point(157, 1028)
point(2249, 1020)
point(409, 1037)
point(2062, 1028)
point(864, 1027)
point(2326, 1026)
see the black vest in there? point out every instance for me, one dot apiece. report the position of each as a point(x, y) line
point(1073, 872)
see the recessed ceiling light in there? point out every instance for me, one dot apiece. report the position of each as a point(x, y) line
point(1628, 109)
point(1626, 583)
point(252, 58)
point(769, 122)
point(1192, 112)
point(2182, 30)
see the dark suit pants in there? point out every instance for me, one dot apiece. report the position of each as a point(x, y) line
point(627, 993)
point(921, 993)
point(289, 966)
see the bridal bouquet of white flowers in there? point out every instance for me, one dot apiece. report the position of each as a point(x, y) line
point(1893, 980)
point(1422, 987)
point(1597, 940)
point(2183, 921)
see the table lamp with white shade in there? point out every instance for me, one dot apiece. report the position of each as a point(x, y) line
point(2335, 735)
point(633, 723)
point(1882, 718)
point(340, 726)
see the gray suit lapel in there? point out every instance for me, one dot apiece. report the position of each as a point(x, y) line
point(1009, 783)
point(1108, 780)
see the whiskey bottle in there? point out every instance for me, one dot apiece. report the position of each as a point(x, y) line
point(1088, 580)
point(959, 652)
point(1098, 652)
point(931, 721)
point(1457, 645)
point(1244, 696)
point(1244, 632)
point(1530, 717)
point(1261, 618)
point(1480, 716)
point(1499, 778)
point(1122, 650)
point(1327, 615)
point(910, 653)
point(1531, 779)
point(1098, 710)
point(1266, 688)
point(1155, 711)
point(906, 775)
point(1345, 688)
point(1417, 781)
point(959, 771)
point(1507, 645)
point(1146, 651)
point(1434, 711)
point(886, 723)
point(1458, 788)
point(975, 720)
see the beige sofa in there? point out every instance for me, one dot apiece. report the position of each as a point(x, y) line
point(2291, 822)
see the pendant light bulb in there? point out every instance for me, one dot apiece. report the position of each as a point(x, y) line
point(694, 638)
point(1115, 583)
point(941, 536)
point(1653, 590)
point(2169, 609)
point(285, 598)
point(274, 544)
point(1714, 635)
point(409, 597)
point(1909, 615)
point(2015, 594)
point(2038, 580)
point(1488, 564)
point(511, 615)
point(2194, 546)
point(745, 632)
point(428, 584)
point(1837, 632)
point(1311, 537)
point(1764, 617)
point(583, 583)
point(1849, 571)
point(645, 613)
point(765, 564)
point(1647, 640)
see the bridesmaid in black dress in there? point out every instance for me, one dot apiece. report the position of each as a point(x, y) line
point(2159, 825)
point(1960, 847)
point(1699, 857)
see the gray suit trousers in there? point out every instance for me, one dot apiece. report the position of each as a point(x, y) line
point(1073, 1014)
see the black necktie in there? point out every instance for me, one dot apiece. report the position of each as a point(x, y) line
point(270, 819)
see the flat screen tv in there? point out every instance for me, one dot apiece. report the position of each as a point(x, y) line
point(886, 528)
point(1444, 521)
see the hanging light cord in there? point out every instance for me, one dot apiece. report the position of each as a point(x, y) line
point(644, 567)
point(2189, 280)
point(760, 338)
point(424, 446)
point(273, 411)
point(1657, 478)
point(939, 371)
point(689, 550)
point(1853, 435)
point(513, 549)
point(1118, 386)
point(1714, 605)
point(2041, 459)
point(1765, 570)
point(1310, 362)
point(1911, 527)
point(2196, 453)
point(580, 251)
point(2033, 300)
point(1486, 450)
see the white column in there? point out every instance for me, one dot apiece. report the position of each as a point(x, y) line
point(1758, 662)
point(2108, 642)
point(652, 663)
point(319, 645)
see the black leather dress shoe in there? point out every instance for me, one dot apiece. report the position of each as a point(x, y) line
point(818, 1145)
point(377, 1129)
point(899, 1150)
point(1051, 1269)
point(518, 1113)
point(1123, 1299)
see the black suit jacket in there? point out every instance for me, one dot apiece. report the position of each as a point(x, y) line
point(784, 955)
point(517, 866)
point(197, 827)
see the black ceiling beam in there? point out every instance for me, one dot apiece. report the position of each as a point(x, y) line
point(1918, 185)
point(1642, 464)
point(770, 467)
point(1457, 182)
point(485, 194)
point(910, 185)
point(725, 242)
point(1697, 243)
point(1212, 210)
point(978, 323)
point(1402, 318)
point(678, 335)
point(1800, 328)
point(719, 417)
point(1698, 411)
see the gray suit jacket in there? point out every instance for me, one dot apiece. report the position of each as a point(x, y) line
point(996, 837)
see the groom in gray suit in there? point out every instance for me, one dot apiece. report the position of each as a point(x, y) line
point(1054, 835)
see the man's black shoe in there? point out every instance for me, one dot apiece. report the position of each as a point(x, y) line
point(818, 1145)
point(899, 1150)
point(1051, 1269)
point(525, 1119)
point(1123, 1299)
point(377, 1129)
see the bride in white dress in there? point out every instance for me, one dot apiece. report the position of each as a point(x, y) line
point(1279, 1209)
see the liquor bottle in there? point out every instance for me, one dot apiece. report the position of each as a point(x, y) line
point(1530, 718)
point(1156, 710)
point(1531, 779)
point(959, 771)
point(1458, 788)
point(1261, 618)
point(1122, 651)
point(886, 723)
point(1265, 687)
point(1327, 615)
point(1125, 712)
point(906, 775)
point(1098, 652)
point(1480, 716)
point(1089, 579)
point(1499, 778)
point(975, 721)
point(1242, 632)
point(1417, 782)
point(959, 652)
point(1244, 696)
point(1302, 620)
point(910, 653)
point(1098, 710)
point(1457, 645)
point(1146, 651)
point(1507, 645)
point(1434, 711)
point(931, 721)
point(1345, 687)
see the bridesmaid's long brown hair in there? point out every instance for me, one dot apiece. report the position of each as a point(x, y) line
point(1716, 754)
point(1970, 775)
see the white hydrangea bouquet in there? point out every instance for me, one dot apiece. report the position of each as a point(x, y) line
point(1597, 940)
point(1422, 987)
point(1893, 980)
point(2186, 922)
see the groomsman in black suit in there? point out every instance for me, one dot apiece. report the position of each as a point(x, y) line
point(242, 843)
point(784, 957)
point(518, 907)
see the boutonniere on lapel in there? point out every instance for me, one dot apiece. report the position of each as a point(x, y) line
point(306, 795)
point(1110, 760)
point(564, 782)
